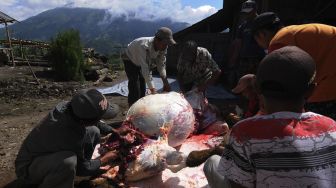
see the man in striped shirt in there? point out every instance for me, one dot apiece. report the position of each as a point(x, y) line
point(287, 147)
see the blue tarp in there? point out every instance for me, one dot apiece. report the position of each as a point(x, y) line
point(213, 92)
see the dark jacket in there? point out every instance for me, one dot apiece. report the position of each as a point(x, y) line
point(58, 131)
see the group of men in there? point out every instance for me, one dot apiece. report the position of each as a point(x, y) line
point(196, 67)
point(283, 146)
point(288, 142)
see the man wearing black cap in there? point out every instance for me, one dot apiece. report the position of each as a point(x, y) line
point(287, 146)
point(141, 56)
point(318, 40)
point(246, 54)
point(61, 145)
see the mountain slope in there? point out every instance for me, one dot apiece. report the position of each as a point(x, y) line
point(97, 28)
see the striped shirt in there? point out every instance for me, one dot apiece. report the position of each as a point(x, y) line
point(283, 149)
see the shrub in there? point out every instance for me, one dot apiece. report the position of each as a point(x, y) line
point(66, 56)
point(115, 63)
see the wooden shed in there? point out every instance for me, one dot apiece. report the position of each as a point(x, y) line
point(5, 19)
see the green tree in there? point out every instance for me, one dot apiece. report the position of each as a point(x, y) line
point(66, 56)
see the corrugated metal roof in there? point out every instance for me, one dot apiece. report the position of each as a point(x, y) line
point(5, 18)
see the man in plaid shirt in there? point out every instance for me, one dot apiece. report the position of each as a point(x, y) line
point(196, 68)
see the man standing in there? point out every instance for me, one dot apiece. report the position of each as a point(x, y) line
point(60, 147)
point(319, 41)
point(142, 55)
point(246, 53)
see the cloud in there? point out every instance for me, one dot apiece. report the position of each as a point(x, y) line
point(140, 9)
point(4, 3)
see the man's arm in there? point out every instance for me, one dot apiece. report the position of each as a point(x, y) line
point(216, 72)
point(180, 71)
point(161, 68)
point(87, 167)
point(213, 79)
point(180, 82)
point(145, 71)
point(92, 167)
point(166, 85)
point(104, 128)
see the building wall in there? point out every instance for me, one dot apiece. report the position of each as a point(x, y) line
point(299, 11)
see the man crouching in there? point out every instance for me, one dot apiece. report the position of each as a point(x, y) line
point(61, 146)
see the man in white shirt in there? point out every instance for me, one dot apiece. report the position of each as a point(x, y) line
point(142, 55)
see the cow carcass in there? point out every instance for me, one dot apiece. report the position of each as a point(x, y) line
point(168, 113)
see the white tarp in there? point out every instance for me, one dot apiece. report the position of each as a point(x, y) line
point(213, 92)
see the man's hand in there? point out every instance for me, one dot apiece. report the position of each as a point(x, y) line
point(111, 155)
point(219, 150)
point(153, 91)
point(105, 168)
point(105, 138)
point(166, 87)
point(111, 173)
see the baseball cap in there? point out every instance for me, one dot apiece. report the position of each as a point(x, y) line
point(244, 82)
point(165, 34)
point(248, 6)
point(89, 104)
point(264, 20)
point(286, 73)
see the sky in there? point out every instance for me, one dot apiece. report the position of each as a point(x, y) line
point(190, 11)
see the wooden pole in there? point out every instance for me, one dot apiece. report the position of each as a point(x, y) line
point(21, 49)
point(10, 44)
point(31, 70)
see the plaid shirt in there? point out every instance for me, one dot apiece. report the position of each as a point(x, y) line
point(199, 71)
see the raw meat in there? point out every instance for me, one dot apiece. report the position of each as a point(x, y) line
point(168, 113)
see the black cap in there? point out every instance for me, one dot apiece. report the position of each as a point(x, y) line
point(264, 20)
point(91, 104)
point(286, 73)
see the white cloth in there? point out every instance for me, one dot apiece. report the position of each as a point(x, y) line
point(141, 52)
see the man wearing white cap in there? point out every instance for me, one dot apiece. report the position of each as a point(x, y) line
point(142, 55)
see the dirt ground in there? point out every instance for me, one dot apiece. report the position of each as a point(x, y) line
point(23, 103)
